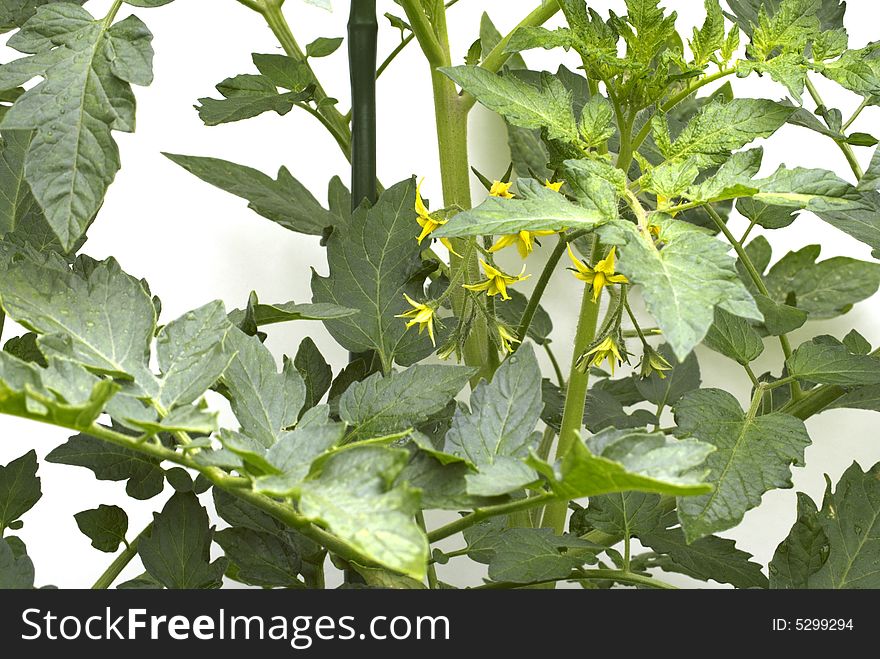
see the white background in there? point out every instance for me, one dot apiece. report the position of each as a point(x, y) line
point(195, 243)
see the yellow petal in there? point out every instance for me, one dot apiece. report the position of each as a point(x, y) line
point(421, 209)
point(553, 186)
point(502, 243)
point(448, 245)
point(500, 189)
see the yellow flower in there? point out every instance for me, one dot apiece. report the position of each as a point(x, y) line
point(524, 241)
point(600, 276)
point(429, 222)
point(421, 315)
point(556, 187)
point(507, 338)
point(496, 281)
point(500, 189)
point(606, 349)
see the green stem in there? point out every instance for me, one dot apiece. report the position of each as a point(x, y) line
point(541, 286)
point(488, 512)
point(433, 583)
point(560, 378)
point(751, 374)
point(849, 122)
point(423, 31)
point(621, 576)
point(111, 15)
point(271, 12)
point(678, 98)
point(120, 562)
point(576, 394)
point(757, 279)
point(817, 399)
point(847, 150)
point(394, 53)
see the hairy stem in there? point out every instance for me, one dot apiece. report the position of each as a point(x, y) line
point(576, 394)
point(757, 279)
point(120, 562)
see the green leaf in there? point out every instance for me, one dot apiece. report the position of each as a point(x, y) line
point(378, 578)
point(621, 513)
point(68, 308)
point(264, 401)
point(189, 419)
point(595, 186)
point(540, 209)
point(314, 370)
point(177, 551)
point(817, 190)
point(548, 106)
point(825, 363)
point(837, 546)
point(511, 312)
point(25, 348)
point(619, 460)
point(87, 68)
point(283, 71)
point(710, 37)
point(754, 455)
point(284, 200)
point(857, 71)
point(684, 377)
point(16, 572)
point(746, 12)
point(145, 478)
point(859, 221)
point(825, 289)
point(596, 121)
point(271, 314)
point(720, 128)
point(263, 559)
point(709, 559)
point(352, 492)
point(803, 552)
point(734, 337)
point(382, 405)
point(323, 46)
point(148, 3)
point(16, 199)
point(15, 13)
point(19, 488)
point(683, 282)
point(604, 410)
point(490, 37)
point(765, 215)
point(105, 526)
point(733, 179)
point(247, 96)
point(192, 354)
point(528, 555)
point(374, 260)
point(141, 582)
point(499, 429)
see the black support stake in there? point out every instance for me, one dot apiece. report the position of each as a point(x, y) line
point(363, 29)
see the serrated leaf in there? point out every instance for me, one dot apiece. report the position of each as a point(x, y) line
point(271, 314)
point(753, 455)
point(499, 429)
point(145, 478)
point(19, 488)
point(596, 186)
point(720, 128)
point(733, 179)
point(522, 104)
point(263, 559)
point(177, 551)
point(374, 260)
point(539, 209)
point(710, 37)
point(352, 492)
point(284, 200)
point(734, 337)
point(16, 199)
point(823, 289)
point(264, 401)
point(683, 282)
point(87, 68)
point(192, 354)
point(765, 215)
point(619, 460)
point(284, 71)
point(247, 96)
point(382, 405)
point(825, 363)
point(684, 377)
point(803, 552)
point(68, 308)
point(16, 572)
point(15, 13)
point(314, 370)
point(105, 526)
point(859, 220)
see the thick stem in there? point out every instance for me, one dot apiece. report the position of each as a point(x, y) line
point(576, 394)
point(817, 399)
point(847, 150)
point(757, 279)
point(120, 562)
point(481, 514)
